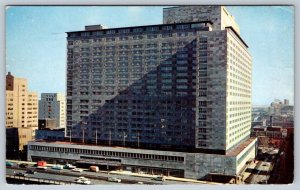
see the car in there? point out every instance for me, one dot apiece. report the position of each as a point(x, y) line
point(57, 167)
point(159, 178)
point(23, 165)
point(69, 166)
point(76, 170)
point(20, 174)
point(114, 179)
point(41, 168)
point(31, 171)
point(140, 182)
point(9, 163)
point(82, 180)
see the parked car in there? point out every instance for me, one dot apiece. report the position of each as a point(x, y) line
point(114, 179)
point(23, 165)
point(21, 174)
point(77, 170)
point(31, 171)
point(140, 182)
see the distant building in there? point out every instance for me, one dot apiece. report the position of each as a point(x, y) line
point(50, 134)
point(278, 108)
point(21, 105)
point(286, 102)
point(16, 139)
point(47, 124)
point(52, 106)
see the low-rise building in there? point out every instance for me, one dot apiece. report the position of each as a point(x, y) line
point(179, 164)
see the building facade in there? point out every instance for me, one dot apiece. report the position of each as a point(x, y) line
point(184, 84)
point(21, 105)
point(21, 115)
point(52, 106)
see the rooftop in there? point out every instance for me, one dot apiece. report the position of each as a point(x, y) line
point(142, 26)
point(237, 150)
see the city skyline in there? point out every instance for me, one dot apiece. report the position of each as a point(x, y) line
point(28, 38)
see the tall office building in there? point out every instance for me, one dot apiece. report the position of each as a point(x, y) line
point(21, 114)
point(21, 105)
point(52, 106)
point(182, 84)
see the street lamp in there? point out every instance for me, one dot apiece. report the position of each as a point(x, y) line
point(124, 136)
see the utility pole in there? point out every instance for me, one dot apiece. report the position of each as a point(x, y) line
point(70, 134)
point(124, 136)
point(83, 135)
point(96, 137)
point(109, 141)
point(138, 138)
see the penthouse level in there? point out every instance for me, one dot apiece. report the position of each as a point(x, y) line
point(207, 25)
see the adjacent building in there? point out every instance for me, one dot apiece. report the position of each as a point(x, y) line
point(21, 104)
point(183, 87)
point(21, 114)
point(52, 106)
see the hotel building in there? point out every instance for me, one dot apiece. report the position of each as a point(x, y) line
point(182, 87)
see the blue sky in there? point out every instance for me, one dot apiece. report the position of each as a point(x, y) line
point(36, 42)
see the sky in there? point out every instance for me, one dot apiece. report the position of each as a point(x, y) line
point(36, 42)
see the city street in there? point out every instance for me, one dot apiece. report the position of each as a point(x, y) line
point(95, 178)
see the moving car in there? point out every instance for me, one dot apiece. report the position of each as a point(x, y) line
point(41, 168)
point(114, 179)
point(94, 168)
point(77, 170)
point(23, 165)
point(69, 166)
point(9, 163)
point(21, 174)
point(83, 180)
point(57, 167)
point(159, 178)
point(31, 171)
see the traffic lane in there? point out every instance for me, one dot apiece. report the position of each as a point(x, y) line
point(102, 176)
point(69, 176)
point(54, 176)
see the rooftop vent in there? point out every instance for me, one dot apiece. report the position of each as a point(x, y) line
point(93, 27)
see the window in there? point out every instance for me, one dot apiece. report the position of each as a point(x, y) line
point(182, 26)
point(153, 28)
point(123, 31)
point(110, 32)
point(138, 30)
point(167, 27)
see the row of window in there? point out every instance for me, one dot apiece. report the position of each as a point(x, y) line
point(108, 153)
